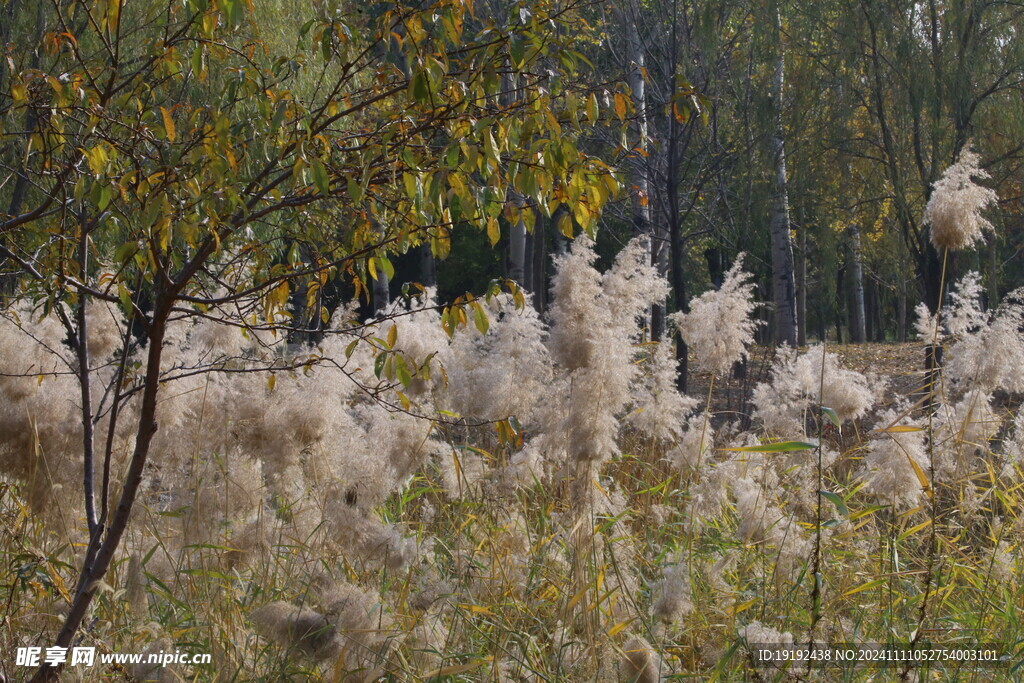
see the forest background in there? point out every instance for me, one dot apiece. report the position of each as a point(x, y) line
point(247, 193)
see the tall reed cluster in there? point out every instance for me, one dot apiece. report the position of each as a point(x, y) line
point(303, 518)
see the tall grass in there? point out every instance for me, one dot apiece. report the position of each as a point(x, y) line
point(302, 531)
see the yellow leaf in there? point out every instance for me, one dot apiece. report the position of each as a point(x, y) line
point(478, 609)
point(618, 627)
point(921, 477)
point(736, 609)
point(168, 124)
point(565, 225)
point(457, 669)
point(576, 598)
point(493, 231)
point(914, 529)
point(620, 106)
point(865, 586)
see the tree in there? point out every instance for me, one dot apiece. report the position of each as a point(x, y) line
point(783, 280)
point(182, 159)
point(931, 73)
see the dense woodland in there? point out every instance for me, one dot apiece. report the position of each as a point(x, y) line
point(493, 340)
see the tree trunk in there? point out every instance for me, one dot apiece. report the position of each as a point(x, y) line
point(783, 281)
point(857, 318)
point(528, 262)
point(381, 292)
point(801, 291)
point(540, 281)
point(901, 313)
point(517, 253)
point(561, 246)
point(638, 169)
point(428, 266)
point(870, 309)
point(104, 543)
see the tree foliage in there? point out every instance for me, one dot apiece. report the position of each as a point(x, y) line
point(216, 158)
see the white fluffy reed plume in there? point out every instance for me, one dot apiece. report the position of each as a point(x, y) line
point(956, 203)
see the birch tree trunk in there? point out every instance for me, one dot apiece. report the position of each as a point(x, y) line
point(539, 254)
point(428, 266)
point(857, 319)
point(801, 281)
point(783, 280)
point(381, 291)
point(638, 169)
point(517, 232)
point(517, 253)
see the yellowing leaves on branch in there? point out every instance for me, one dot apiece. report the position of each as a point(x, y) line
point(217, 157)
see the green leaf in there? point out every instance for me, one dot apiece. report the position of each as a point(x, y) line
point(125, 298)
point(104, 198)
point(419, 87)
point(378, 363)
point(355, 190)
point(275, 123)
point(779, 447)
point(232, 11)
point(386, 266)
point(125, 252)
point(320, 178)
point(837, 501)
point(517, 50)
point(402, 372)
point(480, 319)
point(832, 417)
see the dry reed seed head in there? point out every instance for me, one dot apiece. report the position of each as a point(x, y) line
point(1004, 562)
point(925, 323)
point(362, 536)
point(431, 590)
point(428, 641)
point(503, 372)
point(986, 353)
point(719, 327)
point(889, 468)
point(954, 210)
point(524, 469)
point(154, 672)
point(463, 472)
point(420, 339)
point(659, 409)
point(299, 627)
point(709, 498)
point(757, 633)
point(962, 432)
point(106, 326)
point(964, 313)
point(802, 382)
point(1013, 448)
point(363, 628)
point(135, 588)
point(640, 663)
point(672, 595)
point(694, 448)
